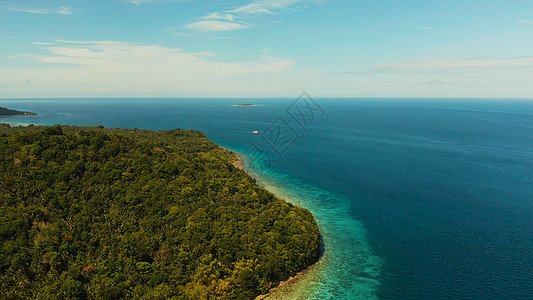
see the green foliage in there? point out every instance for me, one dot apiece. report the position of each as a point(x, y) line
point(10, 112)
point(95, 213)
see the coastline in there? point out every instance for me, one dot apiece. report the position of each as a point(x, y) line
point(286, 287)
point(340, 272)
point(6, 112)
point(239, 162)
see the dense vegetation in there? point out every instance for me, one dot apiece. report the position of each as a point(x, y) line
point(10, 112)
point(95, 213)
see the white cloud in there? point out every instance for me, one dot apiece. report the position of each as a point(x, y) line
point(127, 56)
point(254, 8)
point(64, 10)
point(251, 9)
point(30, 11)
point(220, 16)
point(139, 2)
point(81, 68)
point(113, 68)
point(453, 77)
point(74, 42)
point(480, 65)
point(264, 6)
point(424, 27)
point(524, 22)
point(214, 25)
point(22, 55)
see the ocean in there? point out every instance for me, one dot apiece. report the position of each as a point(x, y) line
point(415, 198)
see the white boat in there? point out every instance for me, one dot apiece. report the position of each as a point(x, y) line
point(256, 131)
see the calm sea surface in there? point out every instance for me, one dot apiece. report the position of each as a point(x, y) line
point(416, 199)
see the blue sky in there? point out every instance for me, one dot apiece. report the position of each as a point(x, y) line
point(266, 48)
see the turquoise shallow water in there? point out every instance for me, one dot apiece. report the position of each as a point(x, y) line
point(416, 198)
point(342, 272)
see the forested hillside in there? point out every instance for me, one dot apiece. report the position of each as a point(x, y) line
point(94, 213)
point(10, 112)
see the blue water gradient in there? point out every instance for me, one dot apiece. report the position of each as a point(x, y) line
point(416, 198)
point(347, 269)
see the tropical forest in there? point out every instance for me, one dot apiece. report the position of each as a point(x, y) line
point(97, 213)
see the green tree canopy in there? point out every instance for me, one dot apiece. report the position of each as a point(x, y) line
point(95, 213)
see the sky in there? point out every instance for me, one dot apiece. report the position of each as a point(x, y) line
point(266, 48)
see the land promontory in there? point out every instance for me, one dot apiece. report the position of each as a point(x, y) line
point(10, 112)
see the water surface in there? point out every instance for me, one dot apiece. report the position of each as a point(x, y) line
point(416, 198)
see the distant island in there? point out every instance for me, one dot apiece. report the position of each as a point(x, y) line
point(4, 112)
point(96, 213)
point(244, 104)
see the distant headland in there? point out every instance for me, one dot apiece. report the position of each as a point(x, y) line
point(4, 112)
point(246, 104)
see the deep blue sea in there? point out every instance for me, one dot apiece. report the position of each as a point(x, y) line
point(415, 198)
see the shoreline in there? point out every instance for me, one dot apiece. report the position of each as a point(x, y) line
point(239, 162)
point(283, 288)
point(7, 112)
point(286, 287)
